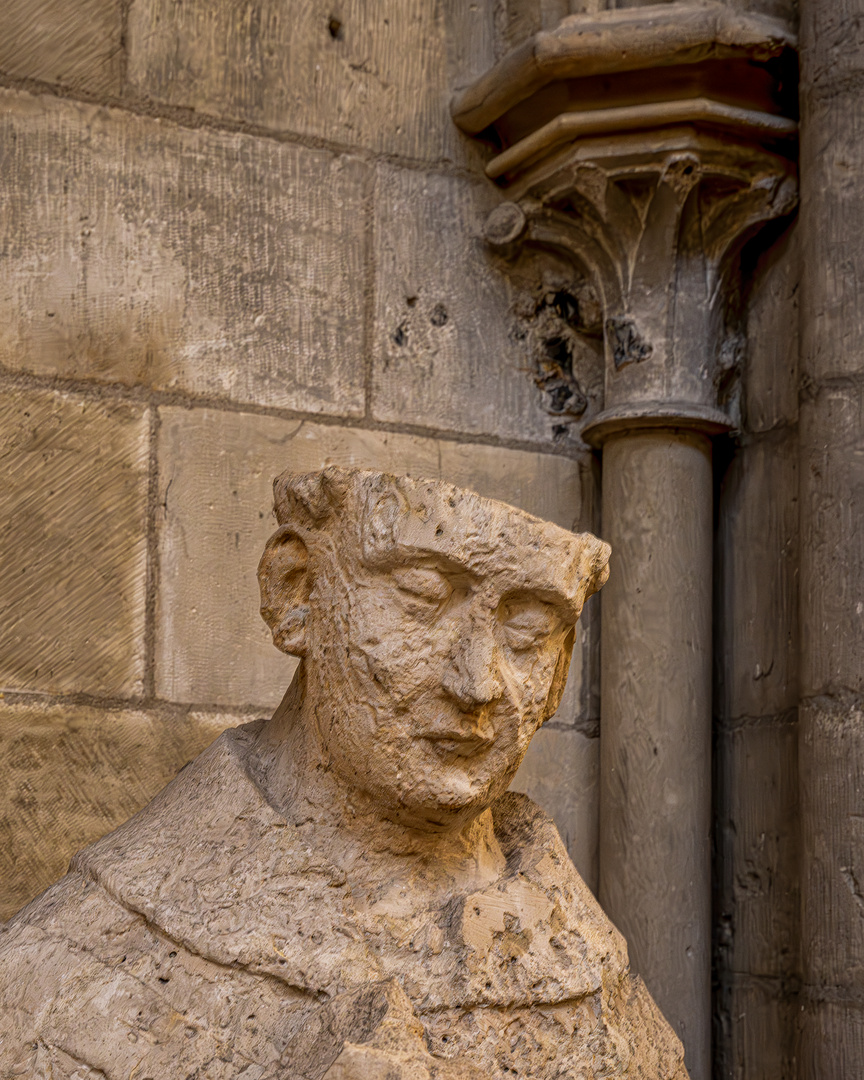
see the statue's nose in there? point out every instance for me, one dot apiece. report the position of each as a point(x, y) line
point(472, 676)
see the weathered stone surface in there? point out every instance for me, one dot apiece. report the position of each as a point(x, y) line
point(376, 76)
point(756, 1033)
point(654, 203)
point(561, 774)
point(69, 774)
point(771, 366)
point(215, 471)
point(655, 745)
point(756, 863)
point(757, 899)
point(784, 9)
point(757, 837)
point(352, 875)
point(832, 877)
point(831, 753)
point(832, 40)
point(72, 543)
point(832, 524)
point(75, 45)
point(832, 1038)
point(445, 352)
point(832, 791)
point(141, 252)
point(832, 317)
point(758, 567)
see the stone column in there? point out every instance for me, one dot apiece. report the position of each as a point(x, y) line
point(831, 747)
point(658, 230)
point(655, 744)
point(623, 150)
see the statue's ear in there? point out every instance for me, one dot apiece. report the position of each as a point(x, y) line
point(559, 679)
point(282, 576)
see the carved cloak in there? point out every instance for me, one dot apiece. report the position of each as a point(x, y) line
point(210, 938)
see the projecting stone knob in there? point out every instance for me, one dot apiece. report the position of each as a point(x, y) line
point(505, 224)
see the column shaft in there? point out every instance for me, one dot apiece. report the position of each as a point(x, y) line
point(655, 744)
point(831, 747)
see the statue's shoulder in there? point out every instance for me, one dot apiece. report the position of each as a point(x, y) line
point(201, 801)
point(533, 846)
point(215, 867)
point(159, 828)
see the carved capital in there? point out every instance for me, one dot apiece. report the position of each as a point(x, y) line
point(652, 196)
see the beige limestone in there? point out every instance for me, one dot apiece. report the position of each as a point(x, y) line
point(72, 543)
point(372, 75)
point(561, 773)
point(347, 890)
point(445, 352)
point(76, 45)
point(141, 252)
point(69, 773)
point(216, 499)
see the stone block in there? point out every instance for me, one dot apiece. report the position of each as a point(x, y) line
point(832, 44)
point(561, 773)
point(377, 75)
point(446, 353)
point(832, 844)
point(215, 480)
point(832, 156)
point(72, 543)
point(78, 45)
point(69, 774)
point(758, 896)
point(137, 251)
point(832, 1038)
point(771, 367)
point(756, 1028)
point(832, 517)
point(758, 568)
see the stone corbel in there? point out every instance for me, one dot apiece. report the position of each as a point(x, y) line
point(647, 145)
point(655, 219)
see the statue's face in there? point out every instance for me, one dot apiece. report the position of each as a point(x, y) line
point(434, 679)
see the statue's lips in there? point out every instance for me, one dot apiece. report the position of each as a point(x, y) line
point(459, 743)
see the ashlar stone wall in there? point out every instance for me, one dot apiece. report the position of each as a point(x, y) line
point(236, 238)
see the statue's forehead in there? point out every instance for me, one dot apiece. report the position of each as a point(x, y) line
point(424, 520)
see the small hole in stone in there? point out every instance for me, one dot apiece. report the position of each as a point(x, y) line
point(335, 28)
point(558, 350)
point(439, 315)
point(401, 335)
point(410, 300)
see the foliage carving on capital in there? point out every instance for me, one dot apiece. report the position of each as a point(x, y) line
point(658, 234)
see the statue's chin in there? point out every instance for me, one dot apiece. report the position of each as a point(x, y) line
point(451, 806)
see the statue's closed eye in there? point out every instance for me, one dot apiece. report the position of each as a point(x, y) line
point(525, 625)
point(424, 583)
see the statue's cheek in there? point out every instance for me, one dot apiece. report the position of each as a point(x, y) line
point(531, 672)
point(403, 665)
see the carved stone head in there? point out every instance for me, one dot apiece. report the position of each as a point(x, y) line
point(434, 627)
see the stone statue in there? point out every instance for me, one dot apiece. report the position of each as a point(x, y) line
point(347, 890)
